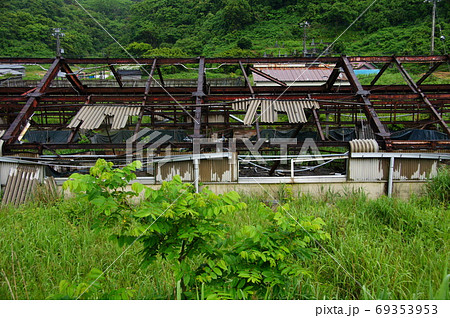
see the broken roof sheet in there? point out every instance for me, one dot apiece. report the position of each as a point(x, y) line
point(295, 109)
point(91, 117)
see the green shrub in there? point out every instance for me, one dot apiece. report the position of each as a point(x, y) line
point(185, 229)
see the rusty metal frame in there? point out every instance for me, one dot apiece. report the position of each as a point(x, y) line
point(116, 75)
point(417, 90)
point(13, 132)
point(267, 76)
point(363, 95)
point(19, 103)
point(72, 78)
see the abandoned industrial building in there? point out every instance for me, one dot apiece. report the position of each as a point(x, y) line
point(309, 122)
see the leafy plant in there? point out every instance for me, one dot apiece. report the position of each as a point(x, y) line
point(261, 258)
point(90, 288)
point(185, 229)
point(104, 188)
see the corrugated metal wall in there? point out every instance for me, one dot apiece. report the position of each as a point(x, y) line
point(211, 170)
point(378, 169)
point(20, 184)
point(414, 169)
point(7, 167)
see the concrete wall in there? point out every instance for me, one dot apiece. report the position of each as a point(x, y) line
point(401, 189)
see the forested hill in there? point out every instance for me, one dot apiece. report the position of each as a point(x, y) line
point(219, 27)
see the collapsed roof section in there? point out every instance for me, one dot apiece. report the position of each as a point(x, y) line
point(203, 110)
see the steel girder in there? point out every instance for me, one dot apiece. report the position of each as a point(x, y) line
point(21, 102)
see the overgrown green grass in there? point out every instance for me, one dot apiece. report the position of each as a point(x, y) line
point(383, 248)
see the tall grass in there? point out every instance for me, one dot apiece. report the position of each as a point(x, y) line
point(384, 248)
point(439, 187)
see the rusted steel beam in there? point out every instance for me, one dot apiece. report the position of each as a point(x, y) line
point(161, 79)
point(247, 81)
point(429, 72)
point(258, 132)
point(317, 122)
point(240, 145)
point(369, 111)
point(116, 75)
point(13, 132)
point(225, 90)
point(342, 98)
point(417, 90)
point(199, 95)
point(74, 81)
point(148, 84)
point(420, 144)
point(333, 77)
point(74, 133)
point(267, 76)
point(377, 77)
point(166, 61)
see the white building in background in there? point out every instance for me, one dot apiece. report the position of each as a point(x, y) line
point(297, 74)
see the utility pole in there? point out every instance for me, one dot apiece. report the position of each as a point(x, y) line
point(433, 23)
point(304, 24)
point(58, 34)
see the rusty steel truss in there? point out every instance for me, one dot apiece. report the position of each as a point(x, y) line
point(413, 103)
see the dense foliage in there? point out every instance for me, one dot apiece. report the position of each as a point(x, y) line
point(215, 27)
point(395, 249)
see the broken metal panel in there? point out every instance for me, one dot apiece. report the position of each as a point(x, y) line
point(295, 109)
point(92, 117)
point(251, 111)
point(268, 113)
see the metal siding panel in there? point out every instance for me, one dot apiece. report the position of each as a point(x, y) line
point(166, 172)
point(368, 169)
point(215, 170)
point(414, 169)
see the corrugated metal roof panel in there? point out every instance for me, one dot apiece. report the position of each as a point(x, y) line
point(240, 104)
point(20, 184)
point(251, 111)
point(295, 109)
point(268, 113)
point(93, 116)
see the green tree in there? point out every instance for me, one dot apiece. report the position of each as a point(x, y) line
point(237, 14)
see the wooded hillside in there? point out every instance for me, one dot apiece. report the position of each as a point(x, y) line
point(219, 27)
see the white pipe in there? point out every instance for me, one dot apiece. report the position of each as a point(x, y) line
point(292, 168)
point(391, 176)
point(196, 173)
